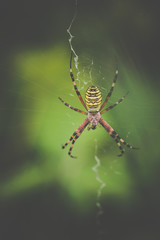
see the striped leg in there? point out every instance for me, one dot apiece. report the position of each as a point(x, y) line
point(119, 145)
point(76, 137)
point(112, 133)
point(112, 106)
point(74, 83)
point(125, 143)
point(75, 133)
point(111, 90)
point(75, 109)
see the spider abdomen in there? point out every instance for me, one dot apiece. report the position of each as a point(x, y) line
point(93, 99)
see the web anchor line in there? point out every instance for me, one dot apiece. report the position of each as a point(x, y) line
point(71, 36)
point(70, 42)
point(100, 211)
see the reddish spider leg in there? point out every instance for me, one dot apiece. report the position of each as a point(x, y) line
point(111, 90)
point(115, 135)
point(75, 109)
point(114, 105)
point(75, 86)
point(76, 137)
point(81, 127)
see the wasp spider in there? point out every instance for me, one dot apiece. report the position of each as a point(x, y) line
point(93, 105)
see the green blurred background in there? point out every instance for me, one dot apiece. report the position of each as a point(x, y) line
point(44, 194)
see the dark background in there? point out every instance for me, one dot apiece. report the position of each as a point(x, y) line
point(44, 194)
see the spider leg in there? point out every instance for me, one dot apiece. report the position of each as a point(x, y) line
point(75, 109)
point(116, 137)
point(74, 83)
point(112, 133)
point(112, 106)
point(75, 133)
point(111, 90)
point(125, 143)
point(76, 137)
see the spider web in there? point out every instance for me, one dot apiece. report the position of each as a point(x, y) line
point(96, 167)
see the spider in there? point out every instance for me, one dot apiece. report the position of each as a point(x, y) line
point(93, 105)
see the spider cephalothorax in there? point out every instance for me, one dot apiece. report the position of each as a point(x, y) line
point(93, 101)
point(93, 118)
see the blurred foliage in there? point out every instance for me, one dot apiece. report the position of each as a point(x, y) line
point(42, 76)
point(35, 124)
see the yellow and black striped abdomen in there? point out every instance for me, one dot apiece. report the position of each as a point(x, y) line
point(93, 99)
